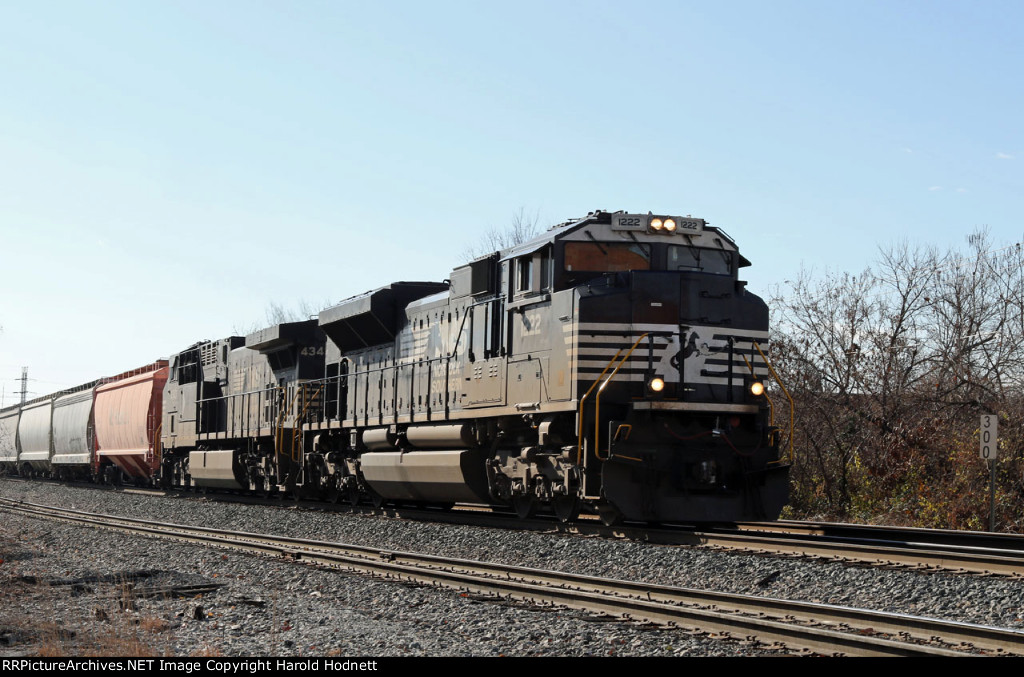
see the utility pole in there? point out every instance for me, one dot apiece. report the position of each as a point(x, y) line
point(24, 384)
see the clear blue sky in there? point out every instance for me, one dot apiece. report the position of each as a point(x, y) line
point(168, 169)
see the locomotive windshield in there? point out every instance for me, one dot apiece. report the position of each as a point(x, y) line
point(606, 257)
point(713, 261)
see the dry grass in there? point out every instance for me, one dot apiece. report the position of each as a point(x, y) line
point(114, 631)
point(101, 620)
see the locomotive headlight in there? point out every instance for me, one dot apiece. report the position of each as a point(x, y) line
point(670, 225)
point(656, 224)
point(654, 386)
point(757, 389)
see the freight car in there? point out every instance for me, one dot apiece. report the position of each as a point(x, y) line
point(613, 364)
point(105, 430)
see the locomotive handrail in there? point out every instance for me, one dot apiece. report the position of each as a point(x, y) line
point(279, 433)
point(597, 399)
point(232, 396)
point(380, 370)
point(462, 324)
point(448, 360)
point(260, 391)
point(412, 364)
point(303, 388)
point(792, 407)
point(158, 449)
point(324, 382)
point(771, 404)
point(579, 425)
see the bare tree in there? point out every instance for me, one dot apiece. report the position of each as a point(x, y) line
point(817, 336)
point(891, 369)
point(278, 313)
point(522, 228)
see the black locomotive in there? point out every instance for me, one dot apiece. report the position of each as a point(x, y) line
point(605, 365)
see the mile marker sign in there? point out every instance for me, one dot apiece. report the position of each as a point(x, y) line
point(989, 435)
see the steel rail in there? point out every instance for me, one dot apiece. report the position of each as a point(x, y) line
point(913, 548)
point(981, 540)
point(875, 551)
point(708, 611)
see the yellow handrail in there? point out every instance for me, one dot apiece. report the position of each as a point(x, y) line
point(771, 405)
point(296, 450)
point(597, 400)
point(792, 407)
point(579, 425)
point(280, 421)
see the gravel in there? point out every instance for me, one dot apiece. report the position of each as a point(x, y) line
point(270, 607)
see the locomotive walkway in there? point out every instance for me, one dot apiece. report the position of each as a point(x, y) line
point(818, 628)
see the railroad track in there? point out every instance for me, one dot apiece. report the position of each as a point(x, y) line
point(818, 628)
point(917, 549)
point(918, 536)
point(925, 550)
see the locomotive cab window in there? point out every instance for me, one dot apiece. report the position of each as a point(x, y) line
point(547, 262)
point(524, 273)
point(533, 272)
point(714, 261)
point(606, 257)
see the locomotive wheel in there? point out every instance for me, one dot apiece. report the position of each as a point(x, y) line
point(567, 508)
point(340, 492)
point(352, 496)
point(609, 514)
point(268, 489)
point(525, 506)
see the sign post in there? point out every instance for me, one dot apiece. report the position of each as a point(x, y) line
point(989, 438)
